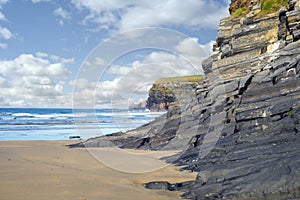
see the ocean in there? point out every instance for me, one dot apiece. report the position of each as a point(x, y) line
point(60, 124)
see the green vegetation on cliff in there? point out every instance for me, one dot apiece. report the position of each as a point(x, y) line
point(243, 7)
point(238, 12)
point(269, 6)
point(180, 79)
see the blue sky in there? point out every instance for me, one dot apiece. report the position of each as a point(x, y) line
point(43, 43)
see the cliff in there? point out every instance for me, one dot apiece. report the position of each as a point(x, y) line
point(240, 131)
point(171, 90)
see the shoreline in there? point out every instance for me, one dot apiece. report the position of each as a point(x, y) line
point(47, 169)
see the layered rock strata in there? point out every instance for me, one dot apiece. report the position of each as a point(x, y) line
point(240, 131)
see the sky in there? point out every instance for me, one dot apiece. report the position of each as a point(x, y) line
point(99, 53)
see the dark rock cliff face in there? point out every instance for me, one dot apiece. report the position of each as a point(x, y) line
point(241, 129)
point(255, 152)
point(171, 90)
point(159, 98)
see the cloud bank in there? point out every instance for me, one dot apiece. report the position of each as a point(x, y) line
point(126, 15)
point(40, 79)
point(132, 81)
point(29, 80)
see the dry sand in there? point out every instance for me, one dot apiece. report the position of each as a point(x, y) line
point(42, 170)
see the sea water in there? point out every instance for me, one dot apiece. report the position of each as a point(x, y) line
point(60, 124)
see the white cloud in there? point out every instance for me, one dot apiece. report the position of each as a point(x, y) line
point(66, 60)
point(2, 2)
point(3, 45)
point(133, 81)
point(27, 64)
point(98, 6)
point(2, 17)
point(208, 47)
point(93, 65)
point(100, 62)
point(34, 81)
point(5, 33)
point(130, 14)
point(82, 83)
point(2, 81)
point(189, 46)
point(41, 55)
point(56, 58)
point(61, 22)
point(60, 12)
point(194, 51)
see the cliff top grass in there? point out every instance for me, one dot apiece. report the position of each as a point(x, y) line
point(270, 6)
point(266, 6)
point(163, 90)
point(239, 12)
point(180, 79)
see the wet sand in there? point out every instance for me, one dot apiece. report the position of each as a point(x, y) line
point(42, 170)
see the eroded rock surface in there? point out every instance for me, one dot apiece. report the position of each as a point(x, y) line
point(240, 131)
point(166, 91)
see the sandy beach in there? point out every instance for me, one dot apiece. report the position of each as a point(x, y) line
point(36, 170)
